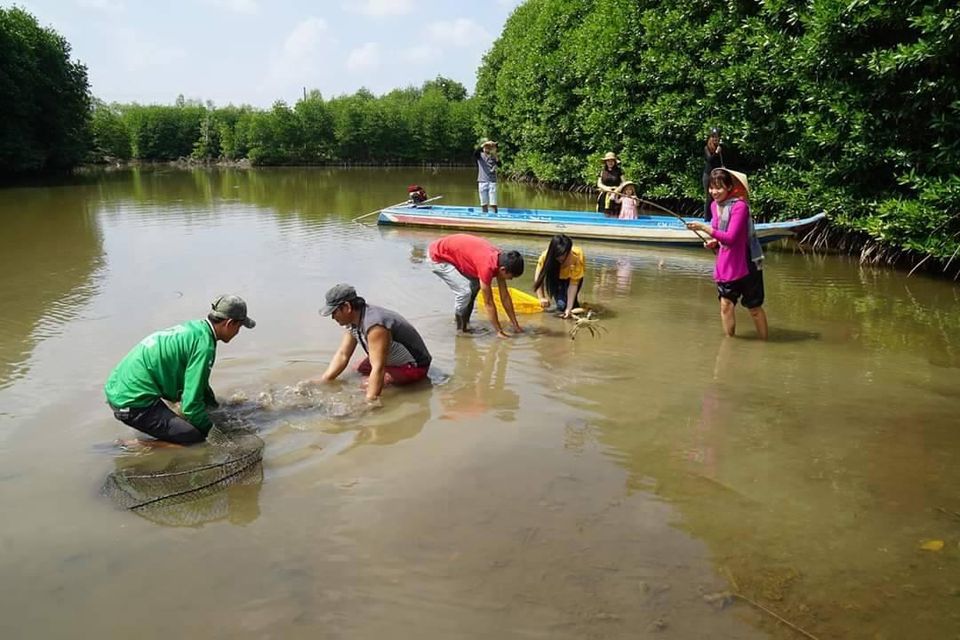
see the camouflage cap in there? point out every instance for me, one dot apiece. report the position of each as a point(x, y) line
point(230, 307)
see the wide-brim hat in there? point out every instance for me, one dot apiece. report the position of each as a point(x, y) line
point(623, 185)
point(741, 178)
point(609, 155)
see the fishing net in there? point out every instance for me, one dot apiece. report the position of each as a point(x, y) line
point(187, 487)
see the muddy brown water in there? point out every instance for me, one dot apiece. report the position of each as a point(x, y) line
point(611, 487)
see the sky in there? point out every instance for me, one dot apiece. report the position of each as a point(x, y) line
point(259, 51)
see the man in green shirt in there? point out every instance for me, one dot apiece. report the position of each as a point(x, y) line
point(174, 365)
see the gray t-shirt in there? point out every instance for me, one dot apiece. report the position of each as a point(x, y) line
point(486, 167)
point(406, 346)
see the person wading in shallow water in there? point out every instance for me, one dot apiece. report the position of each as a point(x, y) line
point(738, 271)
point(469, 264)
point(395, 351)
point(174, 365)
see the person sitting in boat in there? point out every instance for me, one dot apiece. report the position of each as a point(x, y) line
point(396, 354)
point(738, 271)
point(610, 177)
point(626, 196)
point(416, 194)
point(468, 265)
point(559, 275)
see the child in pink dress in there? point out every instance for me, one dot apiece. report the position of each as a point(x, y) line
point(627, 197)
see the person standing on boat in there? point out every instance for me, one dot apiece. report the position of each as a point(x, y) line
point(610, 177)
point(560, 271)
point(395, 351)
point(712, 159)
point(174, 365)
point(487, 163)
point(738, 271)
point(469, 265)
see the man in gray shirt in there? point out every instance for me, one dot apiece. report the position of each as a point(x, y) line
point(487, 163)
point(395, 351)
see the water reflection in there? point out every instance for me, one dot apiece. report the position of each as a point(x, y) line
point(51, 252)
point(479, 381)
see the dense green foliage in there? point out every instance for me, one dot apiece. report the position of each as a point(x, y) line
point(44, 98)
point(846, 106)
point(433, 123)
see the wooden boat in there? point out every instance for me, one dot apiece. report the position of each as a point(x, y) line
point(581, 225)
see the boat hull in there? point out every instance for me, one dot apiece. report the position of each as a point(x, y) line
point(646, 229)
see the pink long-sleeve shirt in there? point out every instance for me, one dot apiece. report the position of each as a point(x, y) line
point(732, 255)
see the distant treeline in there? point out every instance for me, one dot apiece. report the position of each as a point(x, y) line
point(50, 122)
point(44, 98)
point(846, 106)
point(433, 123)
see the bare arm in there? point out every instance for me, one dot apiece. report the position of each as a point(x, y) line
point(572, 290)
point(491, 308)
point(378, 341)
point(341, 358)
point(507, 302)
point(540, 291)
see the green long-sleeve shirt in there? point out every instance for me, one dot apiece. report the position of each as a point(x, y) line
point(173, 364)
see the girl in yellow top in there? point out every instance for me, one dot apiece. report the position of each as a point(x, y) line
point(559, 274)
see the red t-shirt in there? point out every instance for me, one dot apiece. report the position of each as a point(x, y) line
point(472, 256)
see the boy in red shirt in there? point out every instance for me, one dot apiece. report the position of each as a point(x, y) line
point(469, 264)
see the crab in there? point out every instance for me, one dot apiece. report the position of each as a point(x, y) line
point(587, 322)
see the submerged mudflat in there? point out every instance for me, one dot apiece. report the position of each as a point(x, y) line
point(609, 487)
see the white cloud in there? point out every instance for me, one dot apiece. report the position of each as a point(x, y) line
point(420, 53)
point(364, 58)
point(301, 60)
point(304, 40)
point(102, 5)
point(136, 52)
point(250, 7)
point(380, 8)
point(461, 32)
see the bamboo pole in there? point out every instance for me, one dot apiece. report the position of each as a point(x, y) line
point(367, 215)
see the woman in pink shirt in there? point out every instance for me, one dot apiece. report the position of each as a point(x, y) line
point(739, 259)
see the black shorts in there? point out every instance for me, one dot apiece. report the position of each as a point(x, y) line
point(159, 421)
point(749, 289)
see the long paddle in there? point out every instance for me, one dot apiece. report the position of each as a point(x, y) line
point(665, 210)
point(367, 215)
